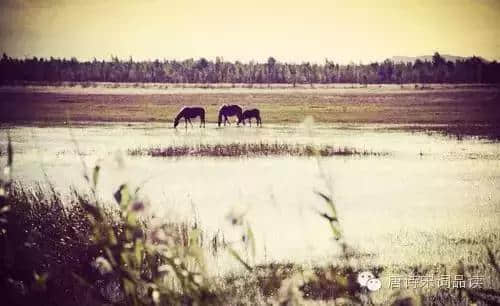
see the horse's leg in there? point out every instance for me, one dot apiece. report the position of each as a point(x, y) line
point(250, 120)
point(185, 122)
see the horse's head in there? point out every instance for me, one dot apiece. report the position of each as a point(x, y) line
point(179, 116)
point(177, 119)
point(221, 113)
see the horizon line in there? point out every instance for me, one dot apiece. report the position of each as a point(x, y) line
point(247, 61)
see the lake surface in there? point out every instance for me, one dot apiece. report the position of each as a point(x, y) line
point(410, 206)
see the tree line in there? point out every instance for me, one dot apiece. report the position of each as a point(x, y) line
point(438, 70)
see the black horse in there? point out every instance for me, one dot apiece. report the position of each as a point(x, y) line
point(251, 113)
point(228, 111)
point(190, 112)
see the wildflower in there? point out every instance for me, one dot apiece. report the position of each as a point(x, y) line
point(236, 215)
point(128, 245)
point(102, 265)
point(156, 297)
point(289, 292)
point(177, 261)
point(120, 161)
point(138, 206)
point(158, 235)
point(164, 268)
point(197, 279)
point(6, 171)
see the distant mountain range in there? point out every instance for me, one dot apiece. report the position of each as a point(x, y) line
point(447, 57)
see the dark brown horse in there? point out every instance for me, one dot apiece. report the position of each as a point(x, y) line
point(251, 113)
point(228, 111)
point(190, 112)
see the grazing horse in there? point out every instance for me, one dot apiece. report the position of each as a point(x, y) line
point(190, 112)
point(251, 113)
point(228, 111)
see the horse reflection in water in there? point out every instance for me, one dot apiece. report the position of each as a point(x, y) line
point(251, 113)
point(188, 113)
point(228, 111)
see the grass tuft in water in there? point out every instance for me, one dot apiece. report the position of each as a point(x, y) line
point(251, 150)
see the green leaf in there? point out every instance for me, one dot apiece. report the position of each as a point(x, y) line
point(251, 240)
point(330, 203)
point(139, 248)
point(40, 280)
point(122, 196)
point(336, 231)
point(194, 237)
point(238, 258)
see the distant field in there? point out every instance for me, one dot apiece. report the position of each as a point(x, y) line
point(469, 109)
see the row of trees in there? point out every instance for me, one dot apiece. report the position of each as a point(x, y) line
point(439, 70)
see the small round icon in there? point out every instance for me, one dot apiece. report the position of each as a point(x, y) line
point(368, 280)
point(364, 277)
point(373, 284)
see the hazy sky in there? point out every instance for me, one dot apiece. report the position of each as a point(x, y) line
point(305, 30)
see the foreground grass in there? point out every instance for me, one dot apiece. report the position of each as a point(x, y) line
point(52, 256)
point(250, 150)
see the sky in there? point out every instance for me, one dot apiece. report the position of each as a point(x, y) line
point(289, 30)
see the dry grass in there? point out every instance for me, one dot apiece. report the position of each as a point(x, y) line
point(48, 238)
point(251, 150)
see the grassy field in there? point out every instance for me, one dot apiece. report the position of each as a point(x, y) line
point(465, 109)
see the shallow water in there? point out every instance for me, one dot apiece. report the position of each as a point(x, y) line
point(403, 208)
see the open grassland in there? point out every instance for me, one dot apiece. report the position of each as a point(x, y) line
point(459, 109)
